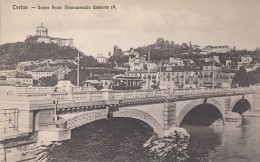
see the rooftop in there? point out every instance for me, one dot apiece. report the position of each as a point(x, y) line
point(45, 69)
point(180, 68)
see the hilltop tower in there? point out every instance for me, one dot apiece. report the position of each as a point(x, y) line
point(42, 30)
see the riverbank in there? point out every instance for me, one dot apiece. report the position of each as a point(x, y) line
point(251, 114)
point(18, 148)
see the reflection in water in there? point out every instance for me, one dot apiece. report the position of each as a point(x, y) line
point(203, 140)
point(123, 140)
point(173, 147)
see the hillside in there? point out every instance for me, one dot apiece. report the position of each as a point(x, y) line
point(164, 49)
point(12, 53)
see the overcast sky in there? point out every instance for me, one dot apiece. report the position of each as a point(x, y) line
point(137, 23)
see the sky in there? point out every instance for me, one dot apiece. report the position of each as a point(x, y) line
point(136, 23)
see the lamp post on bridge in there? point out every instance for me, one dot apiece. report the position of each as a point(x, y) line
point(78, 68)
point(78, 71)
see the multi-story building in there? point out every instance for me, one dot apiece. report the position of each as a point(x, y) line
point(189, 76)
point(137, 62)
point(177, 61)
point(180, 77)
point(42, 34)
point(215, 49)
point(152, 65)
point(211, 75)
point(144, 75)
point(188, 62)
point(41, 72)
point(101, 59)
point(20, 80)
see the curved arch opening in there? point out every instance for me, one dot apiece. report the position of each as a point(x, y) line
point(241, 106)
point(203, 115)
point(107, 140)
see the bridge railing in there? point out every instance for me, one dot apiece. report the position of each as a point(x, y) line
point(96, 96)
point(115, 95)
point(60, 96)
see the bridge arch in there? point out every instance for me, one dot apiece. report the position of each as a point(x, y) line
point(77, 120)
point(86, 117)
point(212, 103)
point(240, 105)
point(140, 115)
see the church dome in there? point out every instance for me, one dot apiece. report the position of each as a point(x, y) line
point(41, 30)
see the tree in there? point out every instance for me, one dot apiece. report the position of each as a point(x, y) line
point(49, 81)
point(255, 76)
point(241, 78)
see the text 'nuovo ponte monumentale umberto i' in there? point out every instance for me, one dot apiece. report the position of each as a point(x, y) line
point(41, 109)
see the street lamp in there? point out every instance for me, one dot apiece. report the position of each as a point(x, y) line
point(149, 68)
point(78, 71)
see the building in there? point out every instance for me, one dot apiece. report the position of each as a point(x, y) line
point(251, 67)
point(187, 77)
point(107, 81)
point(215, 49)
point(177, 61)
point(210, 74)
point(6, 72)
point(19, 80)
point(144, 75)
point(180, 77)
point(188, 62)
point(130, 52)
point(226, 77)
point(152, 65)
point(42, 36)
point(41, 72)
point(64, 85)
point(216, 59)
point(101, 59)
point(228, 63)
point(246, 59)
point(122, 82)
point(136, 62)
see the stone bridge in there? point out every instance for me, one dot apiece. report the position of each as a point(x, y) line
point(164, 112)
point(158, 108)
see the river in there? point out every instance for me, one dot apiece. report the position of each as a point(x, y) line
point(122, 140)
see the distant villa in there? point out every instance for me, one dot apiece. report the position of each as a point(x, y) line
point(42, 34)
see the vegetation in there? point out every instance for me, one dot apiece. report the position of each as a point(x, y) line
point(241, 78)
point(254, 76)
point(89, 74)
point(49, 81)
point(12, 53)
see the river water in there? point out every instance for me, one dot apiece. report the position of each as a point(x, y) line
point(122, 140)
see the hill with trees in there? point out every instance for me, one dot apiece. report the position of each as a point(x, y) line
point(12, 53)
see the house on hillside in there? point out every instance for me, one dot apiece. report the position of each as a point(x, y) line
point(101, 59)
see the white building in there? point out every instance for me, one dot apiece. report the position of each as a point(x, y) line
point(246, 59)
point(152, 65)
point(215, 49)
point(24, 80)
point(137, 62)
point(101, 59)
point(42, 33)
point(228, 62)
point(177, 61)
point(216, 59)
point(48, 72)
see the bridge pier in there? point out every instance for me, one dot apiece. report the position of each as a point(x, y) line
point(227, 103)
point(169, 113)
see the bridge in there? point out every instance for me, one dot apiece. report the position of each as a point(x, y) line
point(39, 110)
